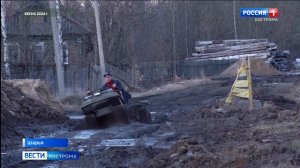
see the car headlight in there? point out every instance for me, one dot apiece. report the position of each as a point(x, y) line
point(96, 94)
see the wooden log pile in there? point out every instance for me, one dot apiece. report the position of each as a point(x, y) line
point(233, 49)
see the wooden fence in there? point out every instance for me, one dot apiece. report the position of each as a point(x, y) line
point(78, 78)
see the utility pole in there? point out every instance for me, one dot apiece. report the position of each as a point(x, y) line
point(57, 50)
point(99, 37)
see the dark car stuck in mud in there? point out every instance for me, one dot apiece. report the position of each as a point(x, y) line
point(105, 108)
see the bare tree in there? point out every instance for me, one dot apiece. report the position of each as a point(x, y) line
point(5, 45)
point(234, 20)
point(59, 28)
point(174, 42)
point(186, 30)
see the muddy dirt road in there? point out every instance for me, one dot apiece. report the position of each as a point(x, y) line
point(191, 128)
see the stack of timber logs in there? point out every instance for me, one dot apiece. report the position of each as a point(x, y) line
point(233, 49)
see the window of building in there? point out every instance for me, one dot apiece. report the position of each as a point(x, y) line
point(38, 51)
point(37, 20)
point(45, 19)
point(13, 51)
point(16, 21)
point(65, 53)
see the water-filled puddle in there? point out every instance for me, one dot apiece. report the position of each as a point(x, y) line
point(167, 134)
point(149, 141)
point(51, 165)
point(86, 134)
point(119, 142)
point(76, 117)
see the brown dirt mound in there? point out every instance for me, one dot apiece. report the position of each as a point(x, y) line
point(258, 68)
point(72, 103)
point(261, 138)
point(18, 109)
point(185, 153)
point(37, 89)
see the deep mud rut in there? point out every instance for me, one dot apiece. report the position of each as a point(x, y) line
point(183, 120)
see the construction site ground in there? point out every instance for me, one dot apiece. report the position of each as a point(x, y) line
point(191, 128)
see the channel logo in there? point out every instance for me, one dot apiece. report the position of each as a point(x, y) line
point(50, 155)
point(259, 12)
point(34, 155)
point(273, 12)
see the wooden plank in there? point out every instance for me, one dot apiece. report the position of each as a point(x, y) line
point(220, 54)
point(224, 47)
point(230, 42)
point(259, 55)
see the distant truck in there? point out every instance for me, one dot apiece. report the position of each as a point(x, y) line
point(280, 61)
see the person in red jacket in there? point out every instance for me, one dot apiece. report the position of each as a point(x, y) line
point(116, 86)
